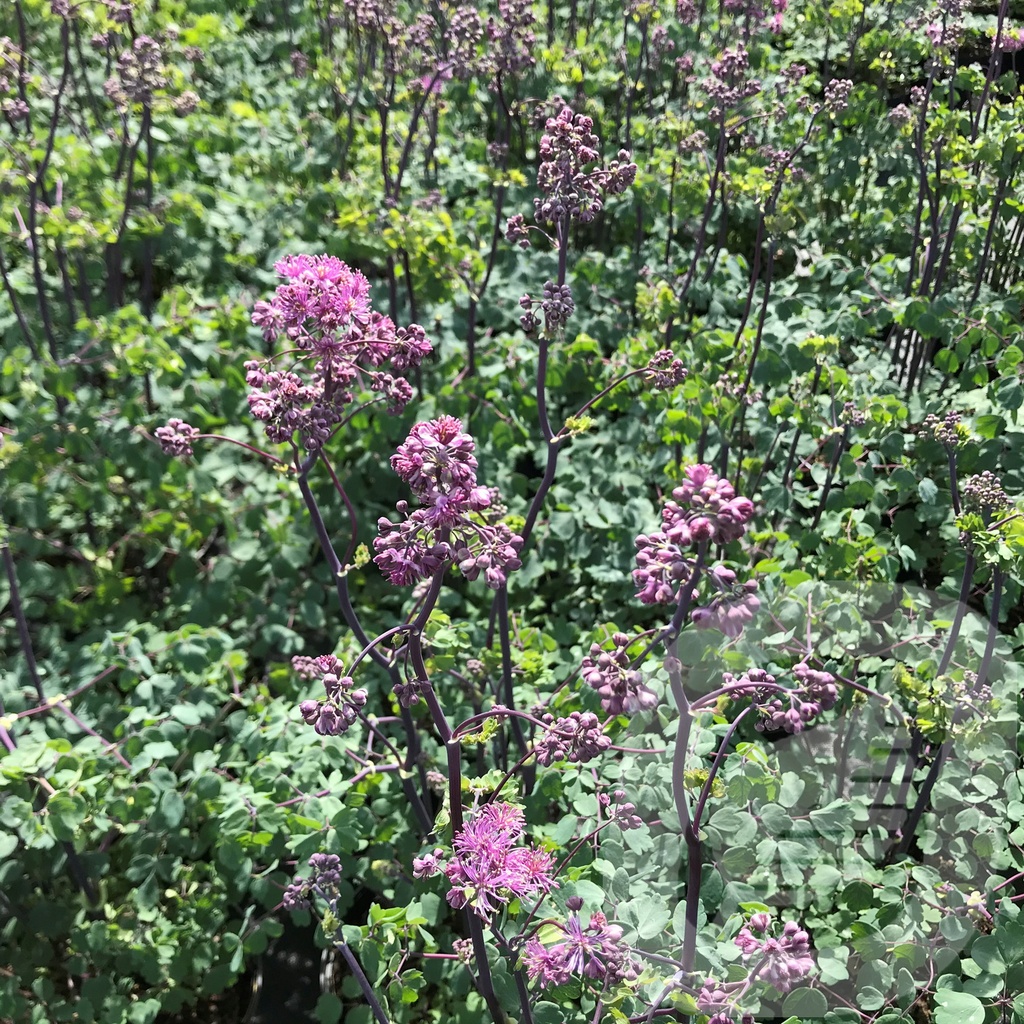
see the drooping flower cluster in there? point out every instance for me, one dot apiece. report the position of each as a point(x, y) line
point(622, 689)
point(620, 810)
point(703, 509)
point(731, 608)
point(176, 437)
point(332, 716)
point(593, 951)
point(716, 1000)
point(326, 877)
point(782, 962)
point(788, 709)
point(721, 1002)
point(577, 738)
point(334, 340)
point(456, 520)
point(487, 868)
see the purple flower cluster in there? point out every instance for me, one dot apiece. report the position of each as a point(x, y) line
point(620, 810)
point(569, 191)
point(595, 951)
point(948, 431)
point(577, 738)
point(455, 523)
point(719, 1001)
point(487, 868)
point(510, 37)
point(782, 962)
point(703, 509)
point(728, 85)
point(622, 689)
point(665, 370)
point(333, 716)
point(176, 437)
point(788, 709)
point(326, 877)
point(731, 608)
point(983, 494)
point(140, 73)
point(323, 314)
point(837, 95)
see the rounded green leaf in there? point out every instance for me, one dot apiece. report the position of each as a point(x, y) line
point(958, 1008)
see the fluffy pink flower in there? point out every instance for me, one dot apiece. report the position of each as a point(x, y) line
point(487, 868)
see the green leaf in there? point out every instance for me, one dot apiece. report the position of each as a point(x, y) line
point(328, 1008)
point(1009, 936)
point(986, 954)
point(958, 1008)
point(807, 1003)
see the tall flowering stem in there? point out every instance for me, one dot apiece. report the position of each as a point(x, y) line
point(570, 192)
point(703, 510)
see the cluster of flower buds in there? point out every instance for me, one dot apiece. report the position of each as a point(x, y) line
point(323, 316)
point(620, 810)
point(176, 437)
point(557, 306)
point(718, 1001)
point(705, 508)
point(968, 689)
point(1009, 40)
point(946, 33)
point(664, 370)
point(569, 191)
point(837, 95)
point(782, 961)
point(455, 522)
point(851, 416)
point(333, 715)
point(577, 738)
point(510, 37)
point(783, 708)
point(409, 692)
point(733, 385)
point(732, 607)
point(728, 84)
point(622, 689)
point(140, 73)
point(595, 951)
point(983, 494)
point(948, 431)
point(487, 867)
point(901, 115)
point(326, 877)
